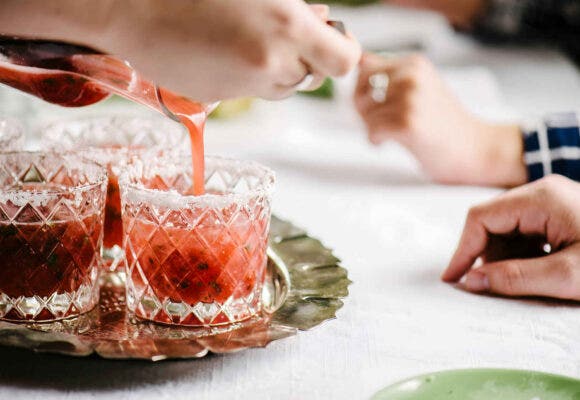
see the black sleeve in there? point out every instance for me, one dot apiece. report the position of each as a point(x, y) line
point(549, 21)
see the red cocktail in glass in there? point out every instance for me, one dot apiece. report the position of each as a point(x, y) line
point(113, 142)
point(196, 260)
point(51, 219)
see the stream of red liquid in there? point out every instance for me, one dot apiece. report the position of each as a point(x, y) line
point(73, 76)
point(193, 116)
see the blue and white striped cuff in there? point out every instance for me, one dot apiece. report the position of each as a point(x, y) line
point(553, 147)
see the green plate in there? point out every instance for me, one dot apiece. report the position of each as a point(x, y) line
point(483, 384)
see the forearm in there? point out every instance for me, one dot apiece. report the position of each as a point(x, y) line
point(83, 22)
point(516, 155)
point(505, 160)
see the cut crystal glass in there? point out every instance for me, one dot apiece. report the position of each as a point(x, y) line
point(51, 218)
point(114, 141)
point(195, 260)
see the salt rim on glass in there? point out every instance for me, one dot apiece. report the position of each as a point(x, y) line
point(113, 142)
point(11, 135)
point(195, 260)
point(51, 216)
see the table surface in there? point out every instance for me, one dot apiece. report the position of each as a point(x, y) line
point(394, 232)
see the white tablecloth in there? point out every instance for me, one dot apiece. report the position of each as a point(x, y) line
point(394, 232)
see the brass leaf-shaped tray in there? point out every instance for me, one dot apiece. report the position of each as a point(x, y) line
point(304, 287)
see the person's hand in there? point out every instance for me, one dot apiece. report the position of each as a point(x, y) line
point(203, 49)
point(460, 13)
point(422, 114)
point(509, 235)
point(211, 50)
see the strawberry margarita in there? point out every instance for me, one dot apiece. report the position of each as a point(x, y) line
point(196, 260)
point(51, 219)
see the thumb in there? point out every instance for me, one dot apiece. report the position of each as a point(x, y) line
point(556, 275)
